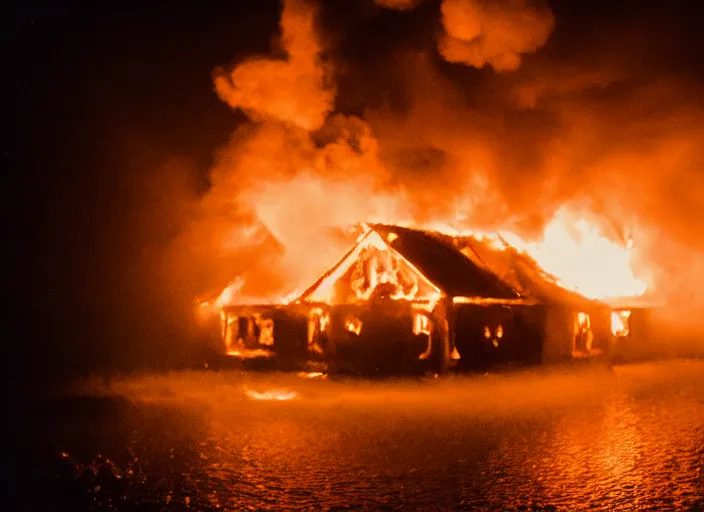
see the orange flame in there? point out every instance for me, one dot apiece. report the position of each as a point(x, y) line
point(583, 259)
point(574, 252)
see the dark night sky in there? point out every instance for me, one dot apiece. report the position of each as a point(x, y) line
point(105, 95)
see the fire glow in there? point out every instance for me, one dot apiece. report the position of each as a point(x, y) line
point(571, 250)
point(583, 259)
point(278, 395)
point(304, 169)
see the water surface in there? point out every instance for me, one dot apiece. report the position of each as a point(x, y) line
point(560, 439)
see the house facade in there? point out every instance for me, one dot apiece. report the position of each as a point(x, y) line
point(403, 299)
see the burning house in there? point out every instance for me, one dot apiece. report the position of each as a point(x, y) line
point(539, 154)
point(404, 298)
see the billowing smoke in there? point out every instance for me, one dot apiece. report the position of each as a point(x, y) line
point(590, 115)
point(286, 183)
point(603, 130)
point(299, 187)
point(491, 32)
point(293, 88)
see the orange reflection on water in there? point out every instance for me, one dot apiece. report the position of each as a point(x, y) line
point(271, 394)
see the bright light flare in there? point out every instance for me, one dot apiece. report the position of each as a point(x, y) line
point(230, 292)
point(271, 395)
point(312, 375)
point(621, 323)
point(421, 324)
point(353, 325)
point(583, 259)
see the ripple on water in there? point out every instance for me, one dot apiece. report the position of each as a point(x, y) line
point(635, 441)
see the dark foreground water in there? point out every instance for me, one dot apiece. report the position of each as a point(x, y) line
point(560, 439)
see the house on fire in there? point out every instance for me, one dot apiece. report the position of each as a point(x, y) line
point(403, 298)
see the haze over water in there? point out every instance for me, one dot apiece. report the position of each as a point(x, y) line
point(563, 439)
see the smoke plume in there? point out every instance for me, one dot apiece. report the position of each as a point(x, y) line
point(297, 187)
point(497, 33)
point(293, 88)
point(599, 118)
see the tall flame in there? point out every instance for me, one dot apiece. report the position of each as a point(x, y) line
point(583, 259)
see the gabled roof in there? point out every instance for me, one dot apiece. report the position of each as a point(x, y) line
point(464, 267)
point(438, 267)
point(444, 264)
point(324, 289)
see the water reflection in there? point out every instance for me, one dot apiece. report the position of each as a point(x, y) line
point(271, 394)
point(632, 438)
